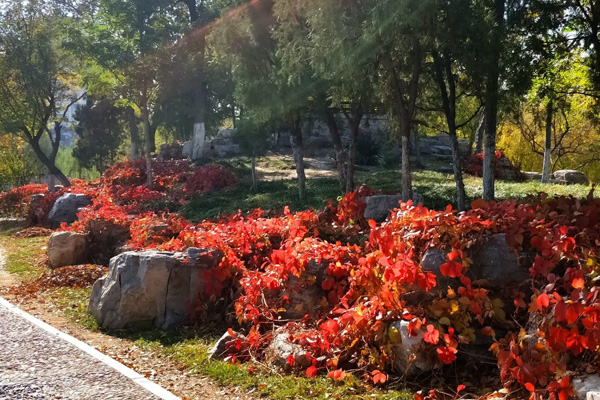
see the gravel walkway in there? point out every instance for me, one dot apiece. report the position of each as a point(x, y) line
point(35, 364)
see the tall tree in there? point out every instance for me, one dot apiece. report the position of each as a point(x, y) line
point(36, 82)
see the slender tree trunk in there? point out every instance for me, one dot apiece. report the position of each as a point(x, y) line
point(254, 176)
point(355, 129)
point(491, 103)
point(479, 133)
point(443, 75)
point(338, 147)
point(134, 134)
point(299, 158)
point(52, 168)
point(417, 149)
point(407, 192)
point(547, 143)
point(458, 177)
point(148, 152)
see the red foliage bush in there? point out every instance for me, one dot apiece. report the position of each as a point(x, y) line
point(367, 287)
point(16, 201)
point(503, 169)
point(209, 178)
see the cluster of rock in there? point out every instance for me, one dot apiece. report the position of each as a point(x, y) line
point(564, 177)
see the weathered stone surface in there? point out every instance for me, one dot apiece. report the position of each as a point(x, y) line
point(406, 348)
point(150, 289)
point(186, 150)
point(219, 350)
point(304, 293)
point(281, 348)
point(587, 387)
point(67, 206)
point(171, 151)
point(570, 177)
point(67, 248)
point(533, 176)
point(493, 261)
point(443, 150)
point(379, 206)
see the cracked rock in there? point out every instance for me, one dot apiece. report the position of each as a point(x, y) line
point(150, 289)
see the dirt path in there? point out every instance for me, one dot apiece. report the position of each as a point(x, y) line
point(314, 168)
point(157, 367)
point(6, 278)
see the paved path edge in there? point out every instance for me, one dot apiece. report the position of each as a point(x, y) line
point(150, 386)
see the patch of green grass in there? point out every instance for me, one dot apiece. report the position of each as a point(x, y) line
point(193, 353)
point(274, 195)
point(74, 304)
point(10, 226)
point(22, 256)
point(438, 191)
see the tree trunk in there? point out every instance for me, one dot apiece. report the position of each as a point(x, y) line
point(355, 128)
point(148, 137)
point(200, 92)
point(338, 147)
point(479, 133)
point(443, 75)
point(547, 143)
point(299, 158)
point(417, 151)
point(133, 133)
point(52, 168)
point(489, 150)
point(254, 176)
point(458, 178)
point(491, 103)
point(407, 192)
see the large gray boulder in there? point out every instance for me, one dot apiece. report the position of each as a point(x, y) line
point(67, 248)
point(493, 261)
point(150, 289)
point(186, 150)
point(587, 387)
point(66, 207)
point(281, 348)
point(570, 177)
point(379, 206)
point(409, 354)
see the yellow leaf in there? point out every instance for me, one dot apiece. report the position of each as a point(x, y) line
point(394, 335)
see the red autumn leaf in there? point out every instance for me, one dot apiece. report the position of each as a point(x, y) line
point(331, 326)
point(432, 335)
point(291, 360)
point(460, 388)
point(337, 375)
point(453, 255)
point(529, 386)
point(542, 301)
point(578, 283)
point(311, 372)
point(379, 377)
point(451, 269)
point(446, 354)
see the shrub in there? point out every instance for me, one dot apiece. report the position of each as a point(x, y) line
point(209, 178)
point(503, 168)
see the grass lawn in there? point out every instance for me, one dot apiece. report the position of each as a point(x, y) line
point(438, 190)
point(21, 254)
